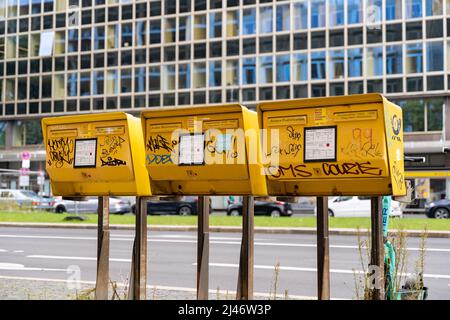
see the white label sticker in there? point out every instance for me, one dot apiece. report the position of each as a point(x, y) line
point(85, 153)
point(223, 142)
point(192, 149)
point(320, 144)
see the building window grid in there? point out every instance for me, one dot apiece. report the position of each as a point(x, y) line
point(257, 34)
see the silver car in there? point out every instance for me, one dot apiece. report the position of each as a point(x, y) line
point(90, 205)
point(24, 199)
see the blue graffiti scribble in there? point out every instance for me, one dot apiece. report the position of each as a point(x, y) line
point(159, 159)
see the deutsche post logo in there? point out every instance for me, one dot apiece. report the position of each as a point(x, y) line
point(396, 124)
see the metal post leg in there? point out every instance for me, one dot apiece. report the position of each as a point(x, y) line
point(323, 250)
point(245, 280)
point(101, 286)
point(138, 277)
point(377, 248)
point(203, 248)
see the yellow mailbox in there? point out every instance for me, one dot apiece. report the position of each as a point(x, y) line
point(206, 150)
point(348, 145)
point(96, 154)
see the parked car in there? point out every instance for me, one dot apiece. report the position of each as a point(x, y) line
point(357, 206)
point(439, 209)
point(263, 208)
point(90, 205)
point(185, 206)
point(25, 199)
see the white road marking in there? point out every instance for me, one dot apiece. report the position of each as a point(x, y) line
point(3, 250)
point(275, 244)
point(18, 251)
point(232, 265)
point(74, 258)
point(21, 267)
point(168, 288)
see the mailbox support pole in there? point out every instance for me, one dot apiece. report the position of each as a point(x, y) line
point(102, 280)
point(138, 277)
point(203, 248)
point(323, 250)
point(245, 278)
point(377, 249)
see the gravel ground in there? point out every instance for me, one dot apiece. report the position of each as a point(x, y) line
point(19, 289)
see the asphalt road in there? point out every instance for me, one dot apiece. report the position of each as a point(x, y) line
point(47, 253)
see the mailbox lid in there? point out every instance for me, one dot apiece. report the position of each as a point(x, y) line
point(218, 132)
point(336, 142)
point(95, 154)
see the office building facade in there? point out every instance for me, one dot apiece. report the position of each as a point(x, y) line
point(62, 57)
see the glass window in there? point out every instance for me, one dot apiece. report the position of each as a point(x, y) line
point(249, 21)
point(248, 71)
point(394, 58)
point(354, 12)
point(85, 84)
point(414, 84)
point(98, 82)
point(413, 9)
point(318, 13)
point(199, 78)
point(433, 7)
point(394, 85)
point(113, 37)
point(154, 76)
point(72, 40)
point(283, 72)
point(336, 38)
point(300, 66)
point(112, 82)
point(99, 38)
point(374, 86)
point(127, 34)
point(139, 79)
point(374, 61)
point(200, 27)
point(300, 41)
point(318, 66)
point(86, 39)
point(414, 58)
point(169, 77)
point(141, 33)
point(232, 75)
point(414, 30)
point(184, 76)
point(393, 9)
point(72, 82)
point(184, 28)
point(435, 56)
point(337, 64)
point(435, 83)
point(336, 12)
point(301, 14)
point(215, 73)
point(355, 36)
point(265, 44)
point(215, 24)
point(355, 63)
point(283, 18)
point(355, 87)
point(337, 89)
point(435, 29)
point(435, 114)
point(318, 39)
point(155, 31)
point(448, 56)
point(249, 45)
point(265, 19)
point(265, 69)
point(283, 43)
point(232, 23)
point(413, 115)
point(394, 32)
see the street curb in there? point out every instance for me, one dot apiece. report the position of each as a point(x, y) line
point(261, 230)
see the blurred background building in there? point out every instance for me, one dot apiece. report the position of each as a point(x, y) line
point(61, 57)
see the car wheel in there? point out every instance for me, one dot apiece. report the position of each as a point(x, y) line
point(60, 209)
point(184, 211)
point(234, 213)
point(441, 213)
point(275, 213)
point(330, 213)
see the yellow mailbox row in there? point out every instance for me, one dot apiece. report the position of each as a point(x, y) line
point(322, 146)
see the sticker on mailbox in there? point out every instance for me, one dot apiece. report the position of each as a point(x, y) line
point(85, 153)
point(192, 149)
point(320, 144)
